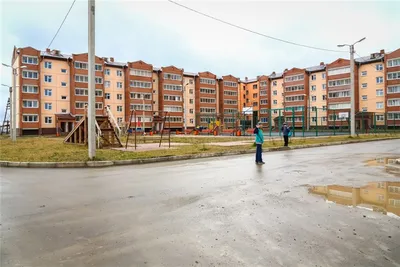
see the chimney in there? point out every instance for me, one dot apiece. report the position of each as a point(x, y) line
point(56, 52)
point(111, 59)
point(258, 77)
point(246, 79)
point(105, 59)
point(321, 63)
point(48, 50)
point(285, 70)
point(382, 51)
point(273, 73)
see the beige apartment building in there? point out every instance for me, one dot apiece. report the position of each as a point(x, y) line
point(277, 97)
point(189, 96)
point(316, 99)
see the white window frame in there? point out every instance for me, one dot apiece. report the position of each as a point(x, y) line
point(379, 105)
point(119, 108)
point(390, 62)
point(120, 85)
point(46, 121)
point(380, 94)
point(395, 91)
point(380, 81)
point(35, 115)
point(119, 73)
point(364, 73)
point(364, 97)
point(48, 106)
point(30, 100)
point(30, 72)
point(30, 89)
point(48, 78)
point(48, 90)
point(48, 65)
point(120, 97)
point(364, 85)
point(63, 83)
point(34, 58)
point(379, 67)
point(393, 75)
point(396, 102)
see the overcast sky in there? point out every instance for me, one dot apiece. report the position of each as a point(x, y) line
point(164, 34)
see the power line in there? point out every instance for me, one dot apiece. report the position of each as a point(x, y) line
point(248, 30)
point(62, 23)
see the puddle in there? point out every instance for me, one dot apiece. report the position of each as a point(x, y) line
point(383, 197)
point(388, 162)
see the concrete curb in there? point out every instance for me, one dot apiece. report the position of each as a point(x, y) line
point(100, 164)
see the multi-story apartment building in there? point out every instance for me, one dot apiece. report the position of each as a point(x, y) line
point(338, 91)
point(392, 66)
point(228, 100)
point(206, 101)
point(171, 96)
point(139, 94)
point(295, 92)
point(276, 85)
point(189, 96)
point(371, 86)
point(264, 100)
point(114, 89)
point(316, 98)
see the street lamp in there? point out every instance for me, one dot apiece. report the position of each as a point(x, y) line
point(184, 107)
point(13, 116)
point(352, 95)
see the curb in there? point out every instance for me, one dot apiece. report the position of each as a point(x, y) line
point(102, 164)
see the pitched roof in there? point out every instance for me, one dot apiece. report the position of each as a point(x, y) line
point(371, 58)
point(315, 68)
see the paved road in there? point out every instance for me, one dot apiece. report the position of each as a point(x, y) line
point(217, 212)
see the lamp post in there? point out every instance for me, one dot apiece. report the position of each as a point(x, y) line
point(352, 91)
point(13, 116)
point(184, 107)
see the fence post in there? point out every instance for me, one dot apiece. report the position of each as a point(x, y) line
point(334, 122)
point(316, 122)
point(362, 122)
point(374, 122)
point(303, 121)
point(270, 122)
point(386, 122)
point(294, 123)
point(280, 123)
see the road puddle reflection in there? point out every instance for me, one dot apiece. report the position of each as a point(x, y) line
point(389, 163)
point(381, 197)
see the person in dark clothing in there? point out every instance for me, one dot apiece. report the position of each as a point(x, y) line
point(259, 141)
point(285, 131)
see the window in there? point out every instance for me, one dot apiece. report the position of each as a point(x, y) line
point(48, 92)
point(190, 81)
point(48, 120)
point(230, 93)
point(191, 101)
point(48, 106)
point(323, 86)
point(274, 83)
point(172, 98)
point(230, 110)
point(170, 76)
point(364, 85)
point(323, 108)
point(254, 86)
point(323, 97)
point(275, 112)
point(393, 62)
point(313, 77)
point(119, 73)
point(294, 88)
point(63, 70)
point(141, 96)
point(263, 102)
point(364, 97)
point(191, 111)
point(379, 80)
point(81, 65)
point(63, 111)
point(143, 73)
point(294, 108)
point(379, 67)
point(207, 81)
point(119, 84)
point(339, 94)
point(140, 107)
point(263, 92)
point(313, 109)
point(230, 84)
point(379, 117)
point(364, 109)
point(30, 60)
point(323, 75)
point(107, 71)
point(191, 120)
point(107, 96)
point(314, 119)
point(119, 96)
point(313, 98)
point(323, 118)
point(80, 105)
point(394, 102)
point(99, 92)
point(31, 89)
point(395, 89)
point(342, 82)
point(339, 71)
point(339, 106)
point(379, 105)
point(98, 67)
point(313, 88)
point(364, 73)
point(107, 84)
point(81, 78)
point(230, 102)
point(263, 84)
point(28, 74)
point(275, 92)
point(47, 65)
point(81, 91)
point(294, 78)
point(173, 108)
point(30, 103)
point(98, 105)
point(191, 91)
point(393, 76)
point(275, 102)
point(98, 80)
point(30, 118)
point(140, 84)
point(393, 116)
point(173, 119)
point(119, 108)
point(264, 111)
point(172, 87)
point(48, 78)
point(207, 91)
point(207, 100)
point(379, 92)
point(296, 98)
point(63, 84)
point(255, 95)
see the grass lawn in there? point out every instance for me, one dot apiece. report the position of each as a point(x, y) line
point(47, 149)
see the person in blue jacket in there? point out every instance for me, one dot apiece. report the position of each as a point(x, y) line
point(259, 142)
point(286, 132)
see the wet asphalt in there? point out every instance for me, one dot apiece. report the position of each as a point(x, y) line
point(212, 212)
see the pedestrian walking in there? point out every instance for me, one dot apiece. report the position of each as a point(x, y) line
point(259, 142)
point(286, 132)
